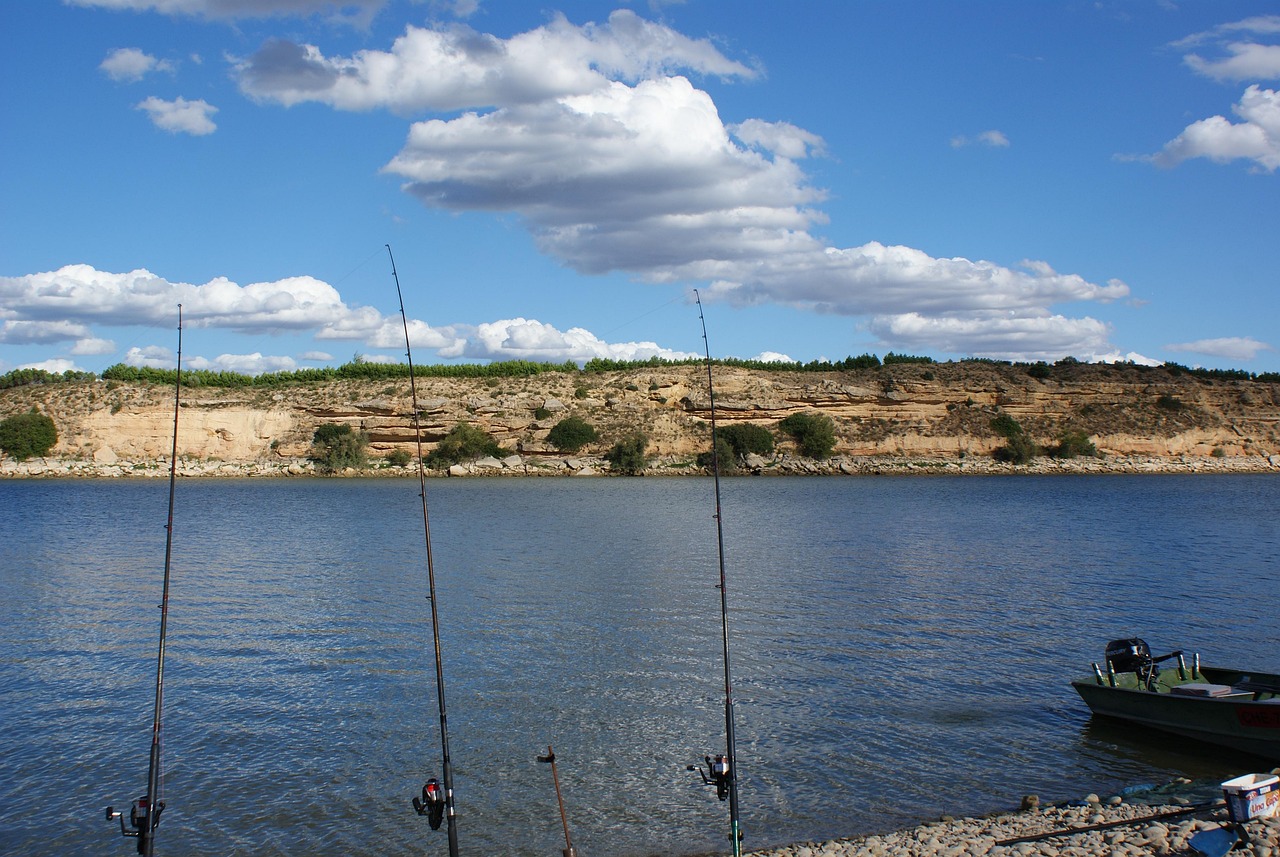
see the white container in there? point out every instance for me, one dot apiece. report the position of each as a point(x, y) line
point(1252, 796)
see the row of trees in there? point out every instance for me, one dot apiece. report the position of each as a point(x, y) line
point(361, 369)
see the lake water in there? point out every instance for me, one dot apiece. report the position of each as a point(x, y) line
point(902, 648)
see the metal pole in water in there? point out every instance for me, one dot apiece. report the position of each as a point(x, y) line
point(446, 764)
point(564, 819)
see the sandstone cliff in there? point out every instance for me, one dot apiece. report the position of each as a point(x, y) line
point(891, 413)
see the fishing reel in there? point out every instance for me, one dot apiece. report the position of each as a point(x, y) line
point(717, 773)
point(143, 827)
point(431, 804)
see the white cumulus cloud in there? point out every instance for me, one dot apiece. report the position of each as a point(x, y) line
point(458, 68)
point(530, 339)
point(1255, 139)
point(180, 116)
point(1230, 347)
point(129, 65)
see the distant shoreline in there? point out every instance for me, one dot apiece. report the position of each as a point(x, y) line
point(587, 466)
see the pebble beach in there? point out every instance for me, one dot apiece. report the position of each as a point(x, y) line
point(1117, 829)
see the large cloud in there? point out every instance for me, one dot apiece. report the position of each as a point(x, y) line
point(458, 68)
point(89, 296)
point(65, 305)
point(647, 179)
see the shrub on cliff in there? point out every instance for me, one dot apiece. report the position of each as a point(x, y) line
point(627, 456)
point(336, 446)
point(28, 435)
point(724, 457)
point(571, 434)
point(1005, 426)
point(744, 438)
point(464, 443)
point(1020, 449)
point(1072, 444)
point(814, 434)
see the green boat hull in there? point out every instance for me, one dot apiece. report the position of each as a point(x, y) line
point(1248, 720)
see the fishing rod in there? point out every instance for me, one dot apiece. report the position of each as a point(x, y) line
point(436, 803)
point(722, 771)
point(144, 815)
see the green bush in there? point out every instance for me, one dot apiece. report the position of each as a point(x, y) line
point(28, 435)
point(1006, 426)
point(627, 456)
point(744, 438)
point(336, 446)
point(725, 456)
point(1074, 443)
point(571, 434)
point(541, 413)
point(1040, 370)
point(814, 434)
point(1169, 403)
point(1019, 450)
point(464, 443)
point(399, 457)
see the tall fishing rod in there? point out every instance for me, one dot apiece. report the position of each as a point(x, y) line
point(433, 803)
point(722, 771)
point(144, 816)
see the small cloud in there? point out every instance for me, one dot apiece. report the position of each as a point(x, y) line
point(244, 364)
point(180, 116)
point(1230, 347)
point(1246, 57)
point(56, 365)
point(93, 346)
point(992, 139)
point(772, 357)
point(150, 357)
point(316, 356)
point(1256, 139)
point(781, 138)
point(130, 65)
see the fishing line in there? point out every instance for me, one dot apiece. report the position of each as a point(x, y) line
point(636, 318)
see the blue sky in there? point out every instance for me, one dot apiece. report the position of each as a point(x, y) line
point(1016, 180)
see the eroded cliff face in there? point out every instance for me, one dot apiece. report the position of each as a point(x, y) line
point(904, 411)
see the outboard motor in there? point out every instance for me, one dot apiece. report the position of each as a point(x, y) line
point(1130, 656)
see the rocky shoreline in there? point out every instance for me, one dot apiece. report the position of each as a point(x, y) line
point(1118, 829)
point(545, 466)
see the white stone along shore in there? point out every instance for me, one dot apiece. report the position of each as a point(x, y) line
point(55, 467)
point(972, 837)
point(1126, 834)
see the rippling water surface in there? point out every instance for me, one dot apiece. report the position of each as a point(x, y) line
point(901, 647)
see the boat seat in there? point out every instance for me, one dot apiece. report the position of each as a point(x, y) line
point(1199, 688)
